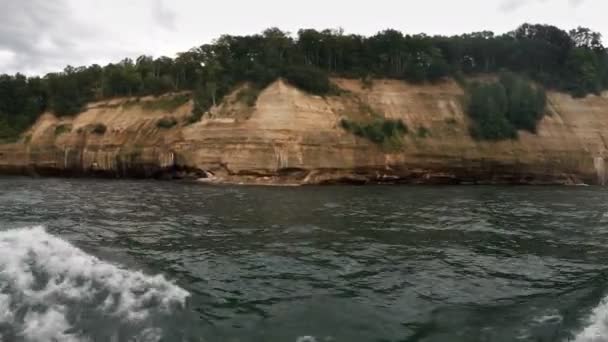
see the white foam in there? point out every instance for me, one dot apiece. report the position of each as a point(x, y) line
point(597, 330)
point(47, 326)
point(549, 319)
point(306, 339)
point(150, 335)
point(39, 270)
point(5, 312)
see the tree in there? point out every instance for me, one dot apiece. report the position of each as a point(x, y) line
point(585, 38)
point(310, 45)
point(526, 103)
point(582, 72)
point(501, 108)
point(487, 107)
point(309, 79)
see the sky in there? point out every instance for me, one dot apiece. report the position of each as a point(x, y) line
point(40, 36)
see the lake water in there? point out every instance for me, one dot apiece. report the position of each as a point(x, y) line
point(103, 260)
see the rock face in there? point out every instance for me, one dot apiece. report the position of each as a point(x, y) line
point(290, 137)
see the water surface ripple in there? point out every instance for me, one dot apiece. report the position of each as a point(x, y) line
point(303, 264)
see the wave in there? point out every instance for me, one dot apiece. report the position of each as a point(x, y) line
point(48, 288)
point(597, 330)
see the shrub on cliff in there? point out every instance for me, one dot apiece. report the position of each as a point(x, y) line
point(423, 132)
point(204, 97)
point(488, 108)
point(7, 132)
point(195, 117)
point(62, 129)
point(166, 123)
point(249, 95)
point(501, 108)
point(166, 104)
point(526, 103)
point(379, 131)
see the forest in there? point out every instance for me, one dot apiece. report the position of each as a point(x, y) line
point(572, 61)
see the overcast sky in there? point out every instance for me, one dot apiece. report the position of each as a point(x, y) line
point(38, 36)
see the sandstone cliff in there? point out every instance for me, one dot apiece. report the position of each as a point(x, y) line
point(290, 137)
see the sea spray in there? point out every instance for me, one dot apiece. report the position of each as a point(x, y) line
point(597, 328)
point(45, 281)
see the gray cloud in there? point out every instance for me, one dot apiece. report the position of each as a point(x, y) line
point(30, 29)
point(39, 32)
point(165, 16)
point(39, 36)
point(512, 5)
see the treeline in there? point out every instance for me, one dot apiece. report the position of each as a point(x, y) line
point(574, 61)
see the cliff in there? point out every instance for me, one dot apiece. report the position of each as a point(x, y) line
point(290, 137)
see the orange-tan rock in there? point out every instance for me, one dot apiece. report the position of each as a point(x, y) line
point(290, 137)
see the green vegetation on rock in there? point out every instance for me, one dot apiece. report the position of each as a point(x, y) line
point(166, 123)
point(423, 132)
point(195, 117)
point(62, 129)
point(166, 103)
point(379, 131)
point(499, 109)
point(8, 133)
point(248, 95)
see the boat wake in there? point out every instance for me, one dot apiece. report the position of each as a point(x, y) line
point(597, 330)
point(52, 290)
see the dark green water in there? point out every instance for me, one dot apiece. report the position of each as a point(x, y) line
point(300, 264)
